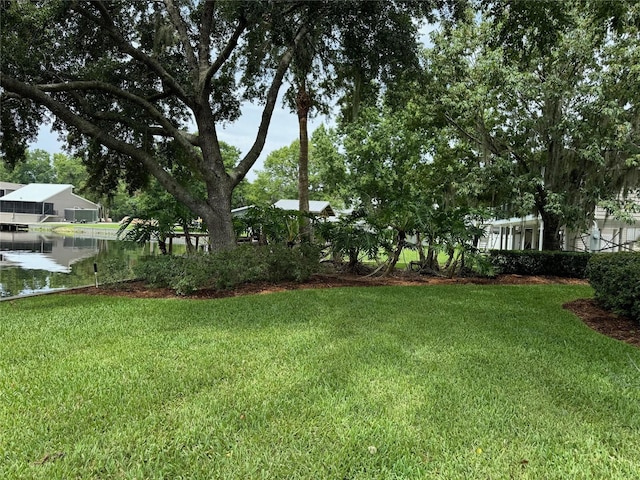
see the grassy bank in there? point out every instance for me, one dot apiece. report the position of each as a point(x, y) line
point(108, 230)
point(389, 382)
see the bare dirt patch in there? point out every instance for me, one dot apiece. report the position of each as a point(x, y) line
point(604, 322)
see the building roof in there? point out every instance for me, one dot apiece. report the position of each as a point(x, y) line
point(241, 211)
point(10, 185)
point(36, 192)
point(315, 206)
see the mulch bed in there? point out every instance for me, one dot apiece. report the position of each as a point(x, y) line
point(603, 321)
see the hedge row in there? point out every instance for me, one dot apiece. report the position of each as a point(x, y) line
point(189, 273)
point(533, 262)
point(615, 277)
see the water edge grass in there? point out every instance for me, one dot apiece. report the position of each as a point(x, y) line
point(389, 382)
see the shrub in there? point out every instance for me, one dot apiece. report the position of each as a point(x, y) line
point(615, 277)
point(480, 265)
point(158, 271)
point(224, 270)
point(350, 237)
point(114, 271)
point(533, 262)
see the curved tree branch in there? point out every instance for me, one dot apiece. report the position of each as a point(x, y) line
point(181, 27)
point(88, 128)
point(222, 57)
point(154, 113)
point(107, 23)
point(462, 130)
point(206, 27)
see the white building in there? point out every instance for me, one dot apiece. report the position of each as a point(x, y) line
point(317, 207)
point(42, 202)
point(606, 235)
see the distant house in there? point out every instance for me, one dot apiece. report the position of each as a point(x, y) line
point(606, 234)
point(6, 188)
point(43, 202)
point(317, 207)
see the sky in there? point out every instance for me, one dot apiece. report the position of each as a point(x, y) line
point(283, 130)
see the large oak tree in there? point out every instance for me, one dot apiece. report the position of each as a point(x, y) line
point(126, 81)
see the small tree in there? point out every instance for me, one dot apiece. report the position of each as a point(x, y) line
point(155, 216)
point(272, 225)
point(383, 160)
point(350, 237)
point(37, 168)
point(460, 237)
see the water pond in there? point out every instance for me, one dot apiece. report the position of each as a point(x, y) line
point(36, 262)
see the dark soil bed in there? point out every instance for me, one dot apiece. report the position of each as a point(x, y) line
point(605, 322)
point(602, 321)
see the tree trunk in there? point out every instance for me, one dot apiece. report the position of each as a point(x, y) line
point(303, 105)
point(551, 236)
point(217, 217)
point(187, 238)
point(396, 253)
point(162, 245)
point(353, 260)
point(421, 256)
point(357, 95)
point(432, 259)
point(451, 267)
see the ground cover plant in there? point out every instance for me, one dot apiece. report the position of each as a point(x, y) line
point(448, 381)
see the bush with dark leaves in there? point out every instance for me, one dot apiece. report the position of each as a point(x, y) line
point(615, 277)
point(533, 262)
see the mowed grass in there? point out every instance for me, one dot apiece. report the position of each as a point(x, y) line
point(388, 382)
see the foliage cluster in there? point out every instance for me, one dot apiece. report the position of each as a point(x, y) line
point(159, 68)
point(349, 237)
point(539, 100)
point(115, 270)
point(533, 262)
point(278, 177)
point(269, 225)
point(223, 270)
point(615, 278)
point(514, 108)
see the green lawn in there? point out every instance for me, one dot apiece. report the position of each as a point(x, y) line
point(406, 257)
point(77, 226)
point(446, 382)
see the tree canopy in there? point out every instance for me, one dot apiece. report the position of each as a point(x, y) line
point(554, 119)
point(530, 107)
point(278, 179)
point(127, 81)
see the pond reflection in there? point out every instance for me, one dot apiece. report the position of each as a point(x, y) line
point(36, 251)
point(33, 262)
